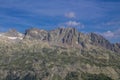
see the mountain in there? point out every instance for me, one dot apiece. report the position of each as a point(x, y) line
point(60, 54)
point(70, 37)
point(12, 34)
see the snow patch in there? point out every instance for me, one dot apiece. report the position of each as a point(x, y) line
point(76, 42)
point(0, 34)
point(13, 38)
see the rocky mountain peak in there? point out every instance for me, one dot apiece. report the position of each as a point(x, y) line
point(13, 33)
point(34, 30)
point(64, 35)
point(34, 33)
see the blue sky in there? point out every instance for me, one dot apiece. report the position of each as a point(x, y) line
point(100, 16)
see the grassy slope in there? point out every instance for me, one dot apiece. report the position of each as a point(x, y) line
point(37, 61)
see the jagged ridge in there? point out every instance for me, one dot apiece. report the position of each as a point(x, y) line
point(64, 37)
point(71, 37)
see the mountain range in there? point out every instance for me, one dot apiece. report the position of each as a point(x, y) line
point(59, 54)
point(63, 37)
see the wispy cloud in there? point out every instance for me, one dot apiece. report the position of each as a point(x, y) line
point(70, 15)
point(74, 24)
point(112, 23)
point(112, 35)
point(109, 34)
point(55, 7)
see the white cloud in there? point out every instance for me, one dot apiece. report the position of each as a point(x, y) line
point(117, 33)
point(112, 23)
point(112, 35)
point(70, 15)
point(74, 24)
point(109, 34)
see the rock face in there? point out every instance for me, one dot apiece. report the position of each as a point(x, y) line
point(99, 40)
point(64, 35)
point(116, 47)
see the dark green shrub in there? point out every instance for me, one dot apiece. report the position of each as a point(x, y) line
point(95, 77)
point(72, 76)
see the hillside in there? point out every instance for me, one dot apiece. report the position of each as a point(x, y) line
point(60, 54)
